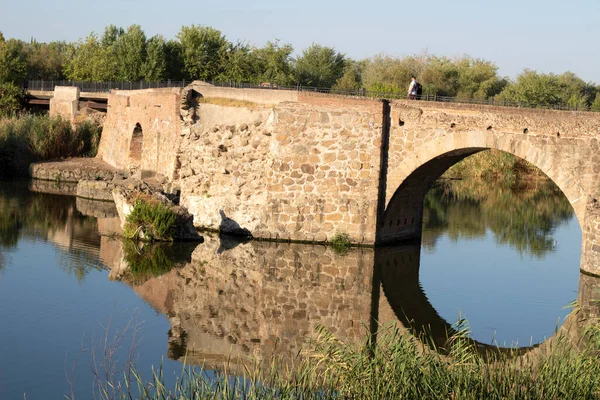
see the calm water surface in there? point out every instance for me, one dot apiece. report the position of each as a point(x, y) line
point(506, 259)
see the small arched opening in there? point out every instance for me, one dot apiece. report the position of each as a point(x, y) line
point(135, 146)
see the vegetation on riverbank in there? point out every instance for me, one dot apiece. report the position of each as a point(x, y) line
point(396, 366)
point(30, 138)
point(495, 166)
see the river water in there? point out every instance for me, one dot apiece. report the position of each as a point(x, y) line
point(77, 303)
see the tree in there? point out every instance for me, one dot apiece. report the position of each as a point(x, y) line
point(273, 63)
point(383, 73)
point(239, 64)
point(46, 60)
point(11, 98)
point(351, 80)
point(1, 38)
point(319, 66)
point(130, 51)
point(174, 60)
point(203, 51)
point(478, 78)
point(534, 88)
point(596, 104)
point(13, 62)
point(111, 35)
point(155, 65)
point(90, 61)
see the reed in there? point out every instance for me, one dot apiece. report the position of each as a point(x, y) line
point(398, 366)
point(30, 137)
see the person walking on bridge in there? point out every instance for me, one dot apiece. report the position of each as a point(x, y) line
point(414, 89)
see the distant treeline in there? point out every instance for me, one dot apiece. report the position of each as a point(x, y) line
point(201, 52)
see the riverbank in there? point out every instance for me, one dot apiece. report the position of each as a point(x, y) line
point(396, 366)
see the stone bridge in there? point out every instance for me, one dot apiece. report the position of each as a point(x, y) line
point(303, 166)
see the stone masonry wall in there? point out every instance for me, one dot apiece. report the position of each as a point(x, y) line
point(294, 171)
point(157, 112)
point(428, 138)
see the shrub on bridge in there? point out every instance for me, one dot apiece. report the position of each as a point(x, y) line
point(149, 220)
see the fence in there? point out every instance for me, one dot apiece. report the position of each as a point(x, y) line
point(84, 86)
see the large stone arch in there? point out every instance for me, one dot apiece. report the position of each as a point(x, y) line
point(409, 181)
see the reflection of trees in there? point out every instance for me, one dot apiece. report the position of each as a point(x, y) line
point(523, 216)
point(49, 217)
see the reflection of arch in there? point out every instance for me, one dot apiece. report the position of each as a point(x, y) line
point(399, 266)
point(135, 146)
point(410, 179)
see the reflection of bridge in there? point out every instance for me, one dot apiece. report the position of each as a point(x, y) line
point(262, 299)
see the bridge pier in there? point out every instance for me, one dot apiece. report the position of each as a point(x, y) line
point(590, 247)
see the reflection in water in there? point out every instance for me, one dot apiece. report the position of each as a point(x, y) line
point(226, 299)
point(53, 218)
point(521, 216)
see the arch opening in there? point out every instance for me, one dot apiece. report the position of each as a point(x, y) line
point(523, 217)
point(136, 146)
point(406, 202)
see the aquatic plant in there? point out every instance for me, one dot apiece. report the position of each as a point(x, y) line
point(340, 242)
point(149, 220)
point(395, 366)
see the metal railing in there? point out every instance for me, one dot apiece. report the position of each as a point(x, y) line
point(84, 86)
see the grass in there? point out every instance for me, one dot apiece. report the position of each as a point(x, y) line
point(29, 138)
point(225, 102)
point(149, 220)
point(398, 366)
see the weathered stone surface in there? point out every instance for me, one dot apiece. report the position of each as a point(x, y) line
point(98, 190)
point(302, 166)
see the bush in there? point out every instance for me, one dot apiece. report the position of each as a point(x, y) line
point(340, 242)
point(149, 220)
point(11, 99)
point(30, 138)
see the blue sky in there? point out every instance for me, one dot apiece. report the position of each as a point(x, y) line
point(548, 36)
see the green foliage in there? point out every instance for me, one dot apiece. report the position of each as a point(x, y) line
point(30, 138)
point(541, 89)
point(13, 62)
point(203, 51)
point(340, 242)
point(273, 63)
point(130, 54)
point(155, 65)
point(351, 80)
point(396, 366)
point(521, 214)
point(146, 261)
point(89, 60)
point(11, 99)
point(239, 64)
point(46, 60)
point(319, 66)
point(596, 104)
point(151, 217)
